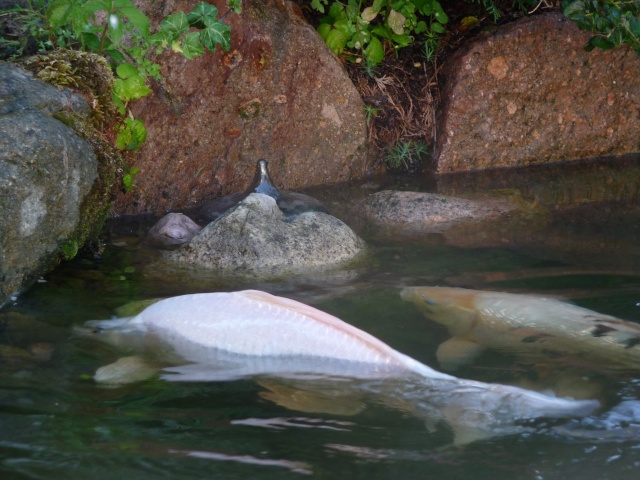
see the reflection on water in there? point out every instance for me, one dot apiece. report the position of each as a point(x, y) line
point(56, 423)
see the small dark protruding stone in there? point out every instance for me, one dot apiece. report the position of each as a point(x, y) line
point(290, 203)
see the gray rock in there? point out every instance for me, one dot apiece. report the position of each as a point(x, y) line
point(254, 237)
point(172, 230)
point(46, 171)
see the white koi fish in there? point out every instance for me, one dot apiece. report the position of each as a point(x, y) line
point(250, 333)
point(525, 325)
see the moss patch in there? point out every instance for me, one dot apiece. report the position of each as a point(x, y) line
point(90, 76)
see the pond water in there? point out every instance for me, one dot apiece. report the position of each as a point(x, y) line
point(55, 422)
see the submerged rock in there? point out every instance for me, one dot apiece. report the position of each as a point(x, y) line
point(412, 213)
point(255, 237)
point(172, 230)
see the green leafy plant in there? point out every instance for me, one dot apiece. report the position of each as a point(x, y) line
point(614, 22)
point(363, 31)
point(127, 179)
point(408, 154)
point(74, 23)
point(22, 28)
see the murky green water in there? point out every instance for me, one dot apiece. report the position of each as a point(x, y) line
point(55, 422)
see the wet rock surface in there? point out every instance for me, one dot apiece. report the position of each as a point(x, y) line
point(46, 171)
point(414, 213)
point(172, 230)
point(279, 93)
point(528, 93)
point(255, 238)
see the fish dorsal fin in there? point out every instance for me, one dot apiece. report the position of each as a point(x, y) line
point(335, 323)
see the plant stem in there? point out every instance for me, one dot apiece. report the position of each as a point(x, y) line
point(104, 35)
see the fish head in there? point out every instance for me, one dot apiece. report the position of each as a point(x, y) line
point(125, 334)
point(452, 307)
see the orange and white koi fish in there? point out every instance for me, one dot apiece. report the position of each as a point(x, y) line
point(524, 325)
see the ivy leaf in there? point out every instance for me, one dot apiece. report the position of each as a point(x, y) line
point(176, 47)
point(200, 12)
point(374, 53)
point(216, 33)
point(131, 88)
point(235, 5)
point(131, 135)
point(191, 46)
point(174, 25)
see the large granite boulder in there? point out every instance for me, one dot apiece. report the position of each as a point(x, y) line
point(46, 173)
point(279, 94)
point(529, 93)
point(255, 238)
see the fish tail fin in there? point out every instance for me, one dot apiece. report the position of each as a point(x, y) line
point(534, 404)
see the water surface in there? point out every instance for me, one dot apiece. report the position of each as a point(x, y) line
point(55, 422)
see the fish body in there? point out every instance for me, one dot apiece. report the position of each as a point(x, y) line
point(524, 325)
point(260, 334)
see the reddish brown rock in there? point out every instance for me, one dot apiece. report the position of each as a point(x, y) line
point(279, 94)
point(529, 93)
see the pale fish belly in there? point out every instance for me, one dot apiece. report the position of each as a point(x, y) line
point(257, 324)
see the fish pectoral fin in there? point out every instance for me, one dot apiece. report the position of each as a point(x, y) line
point(310, 401)
point(126, 370)
point(458, 351)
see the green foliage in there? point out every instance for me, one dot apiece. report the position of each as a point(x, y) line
point(614, 22)
point(20, 26)
point(127, 179)
point(364, 31)
point(69, 249)
point(73, 23)
point(407, 154)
